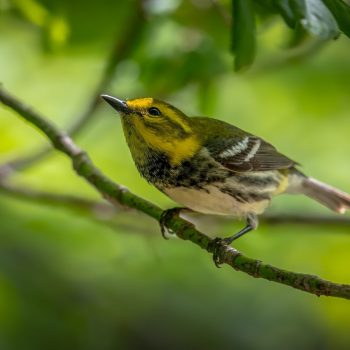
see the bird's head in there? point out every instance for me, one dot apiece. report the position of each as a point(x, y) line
point(152, 123)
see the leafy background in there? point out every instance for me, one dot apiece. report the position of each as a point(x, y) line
point(84, 280)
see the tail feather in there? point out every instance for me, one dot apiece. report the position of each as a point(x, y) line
point(329, 196)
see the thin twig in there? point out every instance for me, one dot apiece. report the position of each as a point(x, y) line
point(289, 56)
point(303, 219)
point(97, 211)
point(124, 45)
point(76, 202)
point(65, 200)
point(183, 229)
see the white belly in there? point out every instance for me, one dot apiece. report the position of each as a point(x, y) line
point(213, 201)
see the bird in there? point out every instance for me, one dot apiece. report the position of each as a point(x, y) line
point(213, 167)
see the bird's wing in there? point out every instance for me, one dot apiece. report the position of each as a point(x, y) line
point(240, 151)
point(251, 153)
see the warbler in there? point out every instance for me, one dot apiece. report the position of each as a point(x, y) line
point(213, 167)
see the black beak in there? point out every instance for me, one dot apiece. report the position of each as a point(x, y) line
point(118, 105)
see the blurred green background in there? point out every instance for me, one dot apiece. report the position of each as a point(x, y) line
point(72, 278)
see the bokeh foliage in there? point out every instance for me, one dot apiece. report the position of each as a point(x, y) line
point(323, 19)
point(71, 279)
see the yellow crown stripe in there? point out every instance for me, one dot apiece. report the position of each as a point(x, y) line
point(140, 103)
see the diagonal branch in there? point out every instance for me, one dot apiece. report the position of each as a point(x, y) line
point(183, 229)
point(123, 47)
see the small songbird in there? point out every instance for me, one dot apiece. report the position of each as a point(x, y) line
point(213, 167)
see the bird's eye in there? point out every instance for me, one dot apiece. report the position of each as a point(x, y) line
point(153, 111)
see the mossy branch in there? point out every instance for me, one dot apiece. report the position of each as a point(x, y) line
point(182, 228)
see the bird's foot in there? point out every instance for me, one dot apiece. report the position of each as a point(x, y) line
point(217, 243)
point(167, 215)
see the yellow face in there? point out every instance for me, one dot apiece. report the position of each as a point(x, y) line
point(161, 126)
point(154, 112)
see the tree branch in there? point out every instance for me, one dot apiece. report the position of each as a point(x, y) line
point(121, 50)
point(302, 219)
point(97, 211)
point(109, 211)
point(183, 229)
point(64, 200)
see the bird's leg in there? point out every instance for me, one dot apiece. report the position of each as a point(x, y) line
point(252, 224)
point(166, 215)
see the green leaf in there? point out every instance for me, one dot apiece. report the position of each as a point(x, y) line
point(318, 20)
point(341, 12)
point(284, 8)
point(243, 33)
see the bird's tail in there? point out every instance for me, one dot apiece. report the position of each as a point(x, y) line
point(328, 196)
